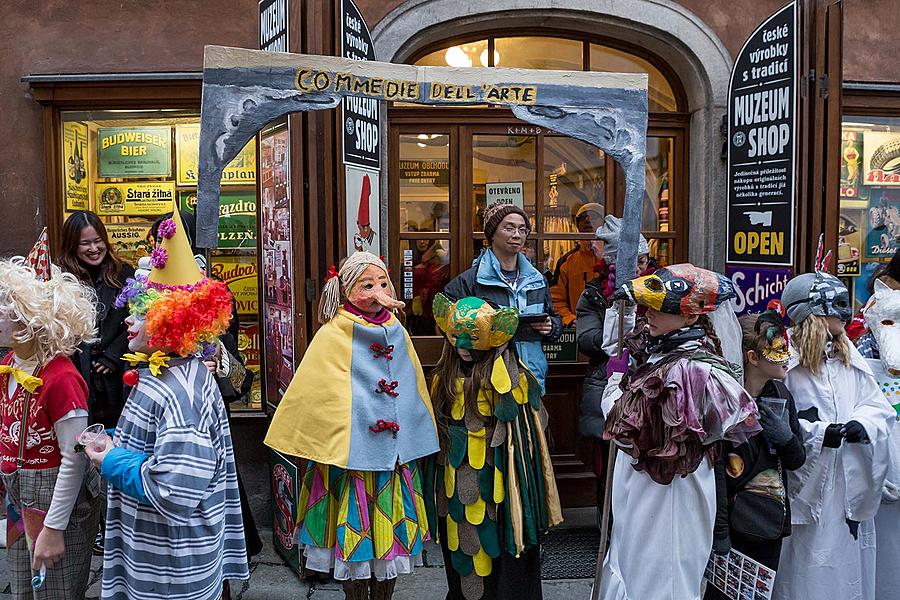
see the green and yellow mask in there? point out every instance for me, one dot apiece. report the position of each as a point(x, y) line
point(473, 324)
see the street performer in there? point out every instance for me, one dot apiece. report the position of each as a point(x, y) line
point(173, 522)
point(359, 411)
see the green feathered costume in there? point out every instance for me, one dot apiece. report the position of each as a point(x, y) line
point(494, 491)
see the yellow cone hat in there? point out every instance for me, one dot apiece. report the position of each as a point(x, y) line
point(172, 263)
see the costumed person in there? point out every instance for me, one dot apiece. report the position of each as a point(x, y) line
point(358, 409)
point(591, 333)
point(679, 399)
point(225, 363)
point(578, 266)
point(888, 274)
point(502, 274)
point(880, 346)
point(492, 489)
point(173, 520)
point(846, 420)
point(758, 512)
point(51, 492)
point(364, 238)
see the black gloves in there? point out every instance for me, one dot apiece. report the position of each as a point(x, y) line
point(854, 527)
point(775, 428)
point(833, 438)
point(855, 433)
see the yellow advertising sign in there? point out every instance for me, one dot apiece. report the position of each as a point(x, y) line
point(147, 198)
point(240, 273)
point(240, 171)
point(75, 165)
point(130, 240)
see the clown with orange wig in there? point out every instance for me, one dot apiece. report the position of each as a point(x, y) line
point(173, 524)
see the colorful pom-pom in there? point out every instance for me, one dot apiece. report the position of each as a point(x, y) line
point(167, 229)
point(158, 258)
point(130, 377)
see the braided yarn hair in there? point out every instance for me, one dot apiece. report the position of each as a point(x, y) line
point(704, 322)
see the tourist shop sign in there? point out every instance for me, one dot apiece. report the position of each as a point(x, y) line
point(762, 144)
point(134, 151)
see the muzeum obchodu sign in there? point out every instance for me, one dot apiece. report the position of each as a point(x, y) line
point(243, 90)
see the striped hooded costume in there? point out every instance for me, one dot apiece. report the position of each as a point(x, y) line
point(173, 524)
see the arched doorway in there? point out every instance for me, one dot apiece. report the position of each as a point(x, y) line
point(444, 162)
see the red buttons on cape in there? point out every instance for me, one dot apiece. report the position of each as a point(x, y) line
point(387, 388)
point(379, 351)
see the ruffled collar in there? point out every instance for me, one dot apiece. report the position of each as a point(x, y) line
point(673, 340)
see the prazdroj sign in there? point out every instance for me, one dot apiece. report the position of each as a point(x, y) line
point(762, 144)
point(245, 89)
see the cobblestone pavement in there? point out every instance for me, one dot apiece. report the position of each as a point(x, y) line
point(272, 580)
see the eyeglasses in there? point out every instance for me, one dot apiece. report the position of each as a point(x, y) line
point(509, 230)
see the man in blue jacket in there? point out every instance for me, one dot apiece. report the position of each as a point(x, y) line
point(502, 275)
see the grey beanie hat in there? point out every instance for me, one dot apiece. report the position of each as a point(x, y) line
point(609, 234)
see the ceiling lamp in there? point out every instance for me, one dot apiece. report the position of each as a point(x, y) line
point(457, 57)
point(484, 58)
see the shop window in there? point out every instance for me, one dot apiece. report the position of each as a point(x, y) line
point(424, 182)
point(539, 53)
point(469, 54)
point(131, 167)
point(869, 220)
point(661, 97)
point(446, 177)
point(503, 166)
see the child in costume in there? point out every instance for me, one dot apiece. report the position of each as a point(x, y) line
point(758, 512)
point(52, 492)
point(679, 398)
point(358, 409)
point(493, 487)
point(846, 421)
point(173, 522)
point(880, 345)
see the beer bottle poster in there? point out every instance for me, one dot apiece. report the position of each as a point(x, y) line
point(75, 166)
point(762, 129)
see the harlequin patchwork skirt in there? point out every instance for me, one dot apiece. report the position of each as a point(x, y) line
point(362, 524)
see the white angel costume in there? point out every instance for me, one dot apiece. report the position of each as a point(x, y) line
point(821, 559)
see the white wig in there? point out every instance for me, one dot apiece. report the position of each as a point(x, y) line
point(57, 315)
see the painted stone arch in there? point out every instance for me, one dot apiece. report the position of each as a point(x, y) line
point(691, 49)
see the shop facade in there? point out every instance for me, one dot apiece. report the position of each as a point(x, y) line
point(287, 213)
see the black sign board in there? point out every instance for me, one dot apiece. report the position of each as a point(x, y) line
point(273, 25)
point(361, 144)
point(762, 142)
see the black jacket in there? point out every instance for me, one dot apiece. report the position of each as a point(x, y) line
point(590, 313)
point(756, 457)
point(106, 393)
point(466, 284)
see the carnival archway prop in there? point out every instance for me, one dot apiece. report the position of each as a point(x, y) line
point(245, 89)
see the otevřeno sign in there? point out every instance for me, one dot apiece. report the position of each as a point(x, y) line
point(762, 142)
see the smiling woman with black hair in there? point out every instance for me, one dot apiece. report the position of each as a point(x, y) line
point(87, 254)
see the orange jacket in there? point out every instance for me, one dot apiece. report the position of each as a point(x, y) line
point(574, 270)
